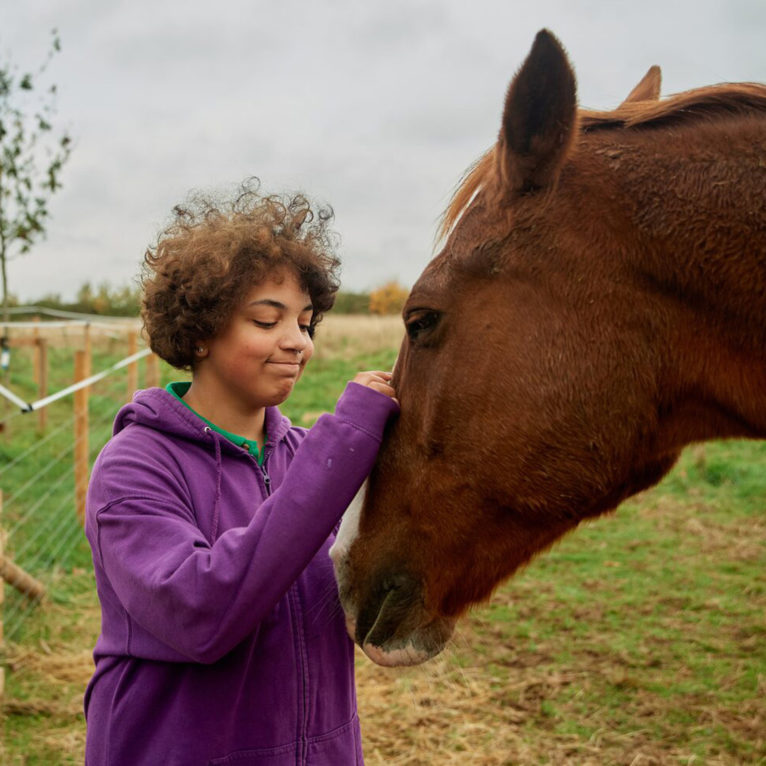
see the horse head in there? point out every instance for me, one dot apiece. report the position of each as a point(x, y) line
point(548, 370)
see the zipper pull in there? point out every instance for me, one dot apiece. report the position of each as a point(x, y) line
point(266, 480)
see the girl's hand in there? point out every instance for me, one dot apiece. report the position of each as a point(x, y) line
point(377, 380)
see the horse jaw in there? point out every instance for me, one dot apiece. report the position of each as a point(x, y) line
point(423, 638)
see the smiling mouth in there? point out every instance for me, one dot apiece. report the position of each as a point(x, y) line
point(287, 367)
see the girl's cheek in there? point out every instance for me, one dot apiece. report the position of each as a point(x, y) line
point(304, 362)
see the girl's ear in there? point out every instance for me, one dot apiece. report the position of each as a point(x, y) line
point(200, 350)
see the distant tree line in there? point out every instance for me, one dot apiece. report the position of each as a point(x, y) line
point(101, 299)
point(108, 300)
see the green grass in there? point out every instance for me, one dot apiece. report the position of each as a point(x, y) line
point(657, 611)
point(43, 535)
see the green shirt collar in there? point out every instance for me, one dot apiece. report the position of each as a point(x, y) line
point(179, 389)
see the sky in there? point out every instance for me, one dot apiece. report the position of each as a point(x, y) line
point(375, 108)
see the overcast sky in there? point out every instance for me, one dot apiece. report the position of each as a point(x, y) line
point(373, 107)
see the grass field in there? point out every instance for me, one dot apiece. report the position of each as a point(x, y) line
point(639, 639)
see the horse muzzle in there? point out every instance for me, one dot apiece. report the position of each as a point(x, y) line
point(385, 615)
point(390, 622)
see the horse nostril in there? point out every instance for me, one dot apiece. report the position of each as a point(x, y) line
point(387, 609)
point(395, 583)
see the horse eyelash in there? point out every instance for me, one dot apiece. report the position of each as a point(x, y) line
point(422, 322)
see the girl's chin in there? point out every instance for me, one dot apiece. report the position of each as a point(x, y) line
point(278, 396)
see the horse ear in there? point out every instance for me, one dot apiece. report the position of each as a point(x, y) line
point(649, 87)
point(540, 116)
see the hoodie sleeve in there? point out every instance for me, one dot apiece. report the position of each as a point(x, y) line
point(201, 599)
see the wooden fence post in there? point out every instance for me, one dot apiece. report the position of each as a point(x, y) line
point(81, 453)
point(41, 359)
point(24, 583)
point(133, 366)
point(36, 337)
point(87, 345)
point(152, 371)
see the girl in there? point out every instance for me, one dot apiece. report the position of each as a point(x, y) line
point(210, 516)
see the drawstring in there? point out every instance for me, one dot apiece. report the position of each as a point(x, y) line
point(218, 478)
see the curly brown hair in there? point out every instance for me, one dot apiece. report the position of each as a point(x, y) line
point(213, 253)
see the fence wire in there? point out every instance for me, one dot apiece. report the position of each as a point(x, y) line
point(42, 533)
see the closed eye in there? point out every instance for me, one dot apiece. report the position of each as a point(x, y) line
point(420, 321)
point(307, 328)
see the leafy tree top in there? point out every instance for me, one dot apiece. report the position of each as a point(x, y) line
point(32, 155)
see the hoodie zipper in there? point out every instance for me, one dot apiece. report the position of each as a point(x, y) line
point(265, 473)
point(266, 481)
point(300, 650)
point(293, 600)
point(299, 645)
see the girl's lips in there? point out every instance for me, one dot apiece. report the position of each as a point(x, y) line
point(286, 367)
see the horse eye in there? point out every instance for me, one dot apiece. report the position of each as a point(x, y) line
point(420, 321)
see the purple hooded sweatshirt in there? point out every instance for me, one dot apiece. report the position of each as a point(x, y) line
point(222, 640)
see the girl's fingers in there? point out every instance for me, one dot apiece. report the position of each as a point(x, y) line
point(378, 380)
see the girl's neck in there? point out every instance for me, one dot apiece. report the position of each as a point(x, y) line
point(232, 416)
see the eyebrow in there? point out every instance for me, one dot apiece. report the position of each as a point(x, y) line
point(278, 305)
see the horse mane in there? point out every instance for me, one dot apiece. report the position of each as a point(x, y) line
point(475, 178)
point(689, 106)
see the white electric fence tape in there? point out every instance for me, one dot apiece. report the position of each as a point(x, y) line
point(63, 314)
point(40, 403)
point(59, 325)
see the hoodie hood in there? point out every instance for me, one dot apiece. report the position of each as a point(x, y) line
point(159, 410)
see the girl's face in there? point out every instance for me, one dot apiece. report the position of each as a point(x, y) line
point(256, 360)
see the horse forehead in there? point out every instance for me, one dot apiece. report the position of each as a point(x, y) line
point(474, 276)
point(453, 270)
point(435, 279)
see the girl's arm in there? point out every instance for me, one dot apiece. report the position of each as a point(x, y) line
point(203, 599)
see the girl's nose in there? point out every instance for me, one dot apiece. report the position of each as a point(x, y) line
point(295, 338)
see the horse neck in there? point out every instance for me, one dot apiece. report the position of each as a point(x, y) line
point(695, 197)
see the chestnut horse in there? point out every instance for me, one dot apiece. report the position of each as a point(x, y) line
point(600, 303)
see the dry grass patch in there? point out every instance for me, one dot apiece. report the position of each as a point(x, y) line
point(342, 335)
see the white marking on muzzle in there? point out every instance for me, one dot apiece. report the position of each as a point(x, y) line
point(396, 658)
point(349, 527)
